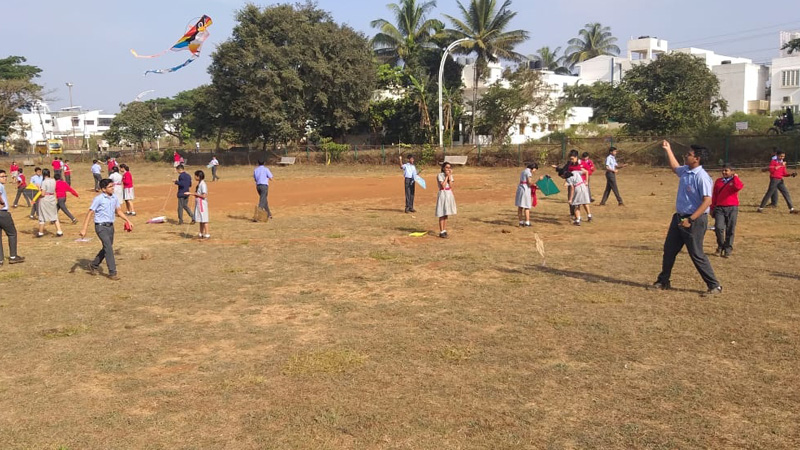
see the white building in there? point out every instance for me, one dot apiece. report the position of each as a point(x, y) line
point(742, 83)
point(41, 123)
point(785, 75)
point(530, 126)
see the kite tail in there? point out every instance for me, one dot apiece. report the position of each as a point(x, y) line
point(148, 56)
point(172, 69)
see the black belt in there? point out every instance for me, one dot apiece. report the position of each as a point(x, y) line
point(105, 224)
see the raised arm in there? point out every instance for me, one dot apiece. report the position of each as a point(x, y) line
point(673, 162)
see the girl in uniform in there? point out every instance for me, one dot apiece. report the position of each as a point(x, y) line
point(445, 202)
point(48, 205)
point(201, 203)
point(524, 198)
point(116, 178)
point(127, 189)
point(578, 194)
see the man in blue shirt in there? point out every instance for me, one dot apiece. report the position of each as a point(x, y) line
point(689, 223)
point(36, 179)
point(262, 175)
point(7, 225)
point(611, 176)
point(184, 182)
point(104, 207)
point(96, 169)
point(409, 175)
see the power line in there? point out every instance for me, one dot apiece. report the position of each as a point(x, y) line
point(794, 22)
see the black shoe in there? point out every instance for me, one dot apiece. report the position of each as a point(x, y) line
point(192, 222)
point(180, 222)
point(16, 260)
point(406, 211)
point(93, 270)
point(412, 210)
point(659, 286)
point(601, 204)
point(589, 219)
point(725, 254)
point(718, 251)
point(711, 292)
point(621, 204)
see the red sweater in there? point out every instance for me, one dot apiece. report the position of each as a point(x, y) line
point(777, 169)
point(726, 194)
point(127, 180)
point(62, 188)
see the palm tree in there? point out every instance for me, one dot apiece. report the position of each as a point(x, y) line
point(420, 93)
point(402, 42)
point(483, 26)
point(593, 40)
point(792, 46)
point(551, 60)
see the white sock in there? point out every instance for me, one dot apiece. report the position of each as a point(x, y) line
point(590, 216)
point(527, 223)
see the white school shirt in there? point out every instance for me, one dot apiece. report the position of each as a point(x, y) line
point(611, 162)
point(409, 170)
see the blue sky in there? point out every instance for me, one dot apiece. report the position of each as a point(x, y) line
point(87, 42)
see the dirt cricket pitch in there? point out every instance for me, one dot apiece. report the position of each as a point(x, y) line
point(330, 327)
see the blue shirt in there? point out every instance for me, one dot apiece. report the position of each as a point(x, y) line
point(693, 186)
point(184, 183)
point(409, 170)
point(96, 168)
point(611, 162)
point(104, 207)
point(262, 175)
point(37, 180)
point(4, 198)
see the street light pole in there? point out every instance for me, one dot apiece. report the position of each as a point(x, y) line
point(71, 123)
point(441, 70)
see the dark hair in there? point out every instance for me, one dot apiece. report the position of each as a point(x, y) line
point(260, 162)
point(564, 172)
point(94, 161)
point(66, 160)
point(532, 166)
point(179, 166)
point(105, 182)
point(46, 172)
point(611, 149)
point(700, 152)
point(200, 174)
point(409, 156)
point(584, 154)
point(2, 171)
point(572, 153)
point(57, 176)
point(115, 169)
point(37, 168)
point(779, 152)
point(20, 170)
point(125, 166)
point(444, 164)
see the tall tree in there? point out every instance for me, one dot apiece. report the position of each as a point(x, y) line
point(792, 46)
point(593, 40)
point(176, 113)
point(675, 93)
point(551, 60)
point(484, 25)
point(288, 67)
point(502, 107)
point(17, 90)
point(137, 123)
point(411, 32)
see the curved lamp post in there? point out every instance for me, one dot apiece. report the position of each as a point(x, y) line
point(441, 70)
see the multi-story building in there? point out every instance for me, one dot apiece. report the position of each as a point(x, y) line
point(41, 123)
point(785, 75)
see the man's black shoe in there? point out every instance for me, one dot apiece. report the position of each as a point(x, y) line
point(660, 286)
point(713, 291)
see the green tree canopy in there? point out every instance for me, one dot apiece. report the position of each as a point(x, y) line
point(592, 41)
point(792, 46)
point(177, 113)
point(17, 90)
point(675, 93)
point(287, 68)
point(501, 107)
point(136, 123)
point(411, 32)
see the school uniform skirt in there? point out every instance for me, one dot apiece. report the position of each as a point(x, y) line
point(581, 196)
point(201, 211)
point(445, 203)
point(127, 193)
point(524, 199)
point(48, 208)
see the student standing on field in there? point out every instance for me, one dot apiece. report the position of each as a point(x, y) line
point(103, 209)
point(409, 175)
point(213, 165)
point(67, 173)
point(127, 189)
point(524, 198)
point(116, 178)
point(777, 172)
point(96, 169)
point(611, 176)
point(725, 209)
point(201, 203)
point(61, 197)
point(262, 177)
point(36, 181)
point(588, 164)
point(184, 182)
point(7, 225)
point(48, 205)
point(689, 223)
point(445, 201)
point(578, 194)
point(14, 169)
point(22, 183)
point(57, 166)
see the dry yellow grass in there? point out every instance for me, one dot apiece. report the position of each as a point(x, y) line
point(330, 327)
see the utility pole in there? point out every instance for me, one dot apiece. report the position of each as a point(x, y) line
point(71, 122)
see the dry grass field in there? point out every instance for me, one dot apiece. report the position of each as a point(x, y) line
point(329, 327)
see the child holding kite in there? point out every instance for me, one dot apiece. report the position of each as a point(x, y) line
point(445, 201)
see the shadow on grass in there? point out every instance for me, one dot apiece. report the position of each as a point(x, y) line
point(594, 278)
point(790, 276)
point(513, 220)
point(244, 217)
point(397, 210)
point(412, 230)
point(82, 264)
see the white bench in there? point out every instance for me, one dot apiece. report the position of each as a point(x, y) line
point(28, 162)
point(457, 160)
point(287, 160)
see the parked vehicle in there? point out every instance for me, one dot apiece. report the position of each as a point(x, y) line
point(50, 147)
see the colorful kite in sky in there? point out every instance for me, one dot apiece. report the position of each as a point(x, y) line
point(192, 40)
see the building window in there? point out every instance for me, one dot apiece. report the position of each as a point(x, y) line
point(48, 121)
point(76, 121)
point(90, 122)
point(790, 78)
point(104, 122)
